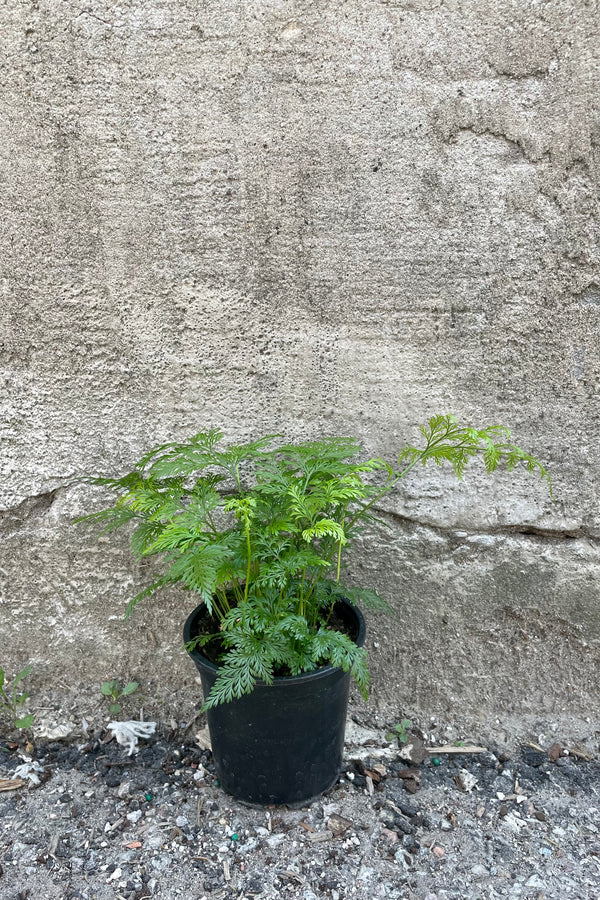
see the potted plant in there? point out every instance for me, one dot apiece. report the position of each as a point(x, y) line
point(258, 531)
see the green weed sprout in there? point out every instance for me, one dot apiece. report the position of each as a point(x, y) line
point(113, 691)
point(11, 701)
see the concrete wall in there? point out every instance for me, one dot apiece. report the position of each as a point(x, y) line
point(308, 217)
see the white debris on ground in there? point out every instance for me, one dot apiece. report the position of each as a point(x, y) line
point(127, 733)
point(28, 771)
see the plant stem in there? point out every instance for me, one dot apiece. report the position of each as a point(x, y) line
point(422, 455)
point(301, 611)
point(247, 522)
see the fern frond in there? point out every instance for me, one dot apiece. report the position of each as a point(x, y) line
point(202, 441)
point(364, 596)
point(446, 440)
point(282, 570)
point(201, 569)
point(112, 518)
point(340, 651)
point(249, 660)
point(324, 528)
point(143, 537)
point(146, 592)
point(235, 679)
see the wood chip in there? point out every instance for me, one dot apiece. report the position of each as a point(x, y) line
point(11, 784)
point(533, 746)
point(409, 773)
point(338, 824)
point(203, 739)
point(308, 828)
point(318, 836)
point(452, 748)
point(134, 845)
point(370, 787)
point(581, 754)
point(226, 870)
point(373, 775)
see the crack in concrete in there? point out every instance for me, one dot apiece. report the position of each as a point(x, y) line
point(457, 531)
point(38, 505)
point(481, 131)
point(33, 507)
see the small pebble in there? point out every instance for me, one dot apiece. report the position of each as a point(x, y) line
point(479, 871)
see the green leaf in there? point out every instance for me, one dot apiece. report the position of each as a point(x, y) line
point(114, 709)
point(368, 598)
point(146, 592)
point(110, 688)
point(340, 651)
point(22, 674)
point(129, 688)
point(325, 527)
point(25, 721)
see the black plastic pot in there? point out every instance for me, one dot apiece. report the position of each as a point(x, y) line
point(282, 743)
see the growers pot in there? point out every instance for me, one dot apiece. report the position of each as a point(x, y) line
point(282, 743)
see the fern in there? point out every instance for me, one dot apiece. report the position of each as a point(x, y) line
point(447, 441)
point(323, 528)
point(340, 651)
point(258, 531)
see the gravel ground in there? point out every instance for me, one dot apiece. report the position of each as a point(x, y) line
point(102, 825)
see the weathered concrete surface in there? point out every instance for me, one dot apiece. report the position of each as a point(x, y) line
point(308, 217)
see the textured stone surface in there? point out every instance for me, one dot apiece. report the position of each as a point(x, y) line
point(311, 218)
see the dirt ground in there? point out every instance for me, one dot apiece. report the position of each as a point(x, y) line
point(402, 822)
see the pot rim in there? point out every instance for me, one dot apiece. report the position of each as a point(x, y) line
point(321, 672)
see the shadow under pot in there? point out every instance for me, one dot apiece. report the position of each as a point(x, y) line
point(284, 742)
